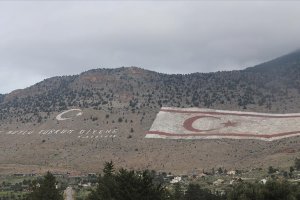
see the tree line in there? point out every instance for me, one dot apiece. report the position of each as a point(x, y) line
point(126, 184)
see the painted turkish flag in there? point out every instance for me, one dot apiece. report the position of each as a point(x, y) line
point(197, 123)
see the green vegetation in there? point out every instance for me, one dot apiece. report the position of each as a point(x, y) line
point(297, 163)
point(18, 188)
point(271, 170)
point(270, 91)
point(195, 192)
point(133, 185)
point(12, 195)
point(123, 184)
point(272, 190)
point(45, 190)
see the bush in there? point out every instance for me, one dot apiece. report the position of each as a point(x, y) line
point(297, 164)
point(271, 170)
point(120, 119)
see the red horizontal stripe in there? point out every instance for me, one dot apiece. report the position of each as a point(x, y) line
point(226, 134)
point(223, 113)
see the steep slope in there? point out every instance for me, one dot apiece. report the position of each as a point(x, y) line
point(127, 100)
point(282, 65)
point(1, 98)
point(285, 70)
point(134, 88)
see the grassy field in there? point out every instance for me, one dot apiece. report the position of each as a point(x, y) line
point(81, 194)
point(11, 195)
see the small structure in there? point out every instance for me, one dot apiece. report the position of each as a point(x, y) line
point(218, 182)
point(235, 180)
point(92, 175)
point(202, 175)
point(263, 181)
point(232, 172)
point(176, 179)
point(19, 175)
point(85, 184)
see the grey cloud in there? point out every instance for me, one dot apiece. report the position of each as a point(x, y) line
point(44, 39)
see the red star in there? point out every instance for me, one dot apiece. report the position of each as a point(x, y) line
point(229, 124)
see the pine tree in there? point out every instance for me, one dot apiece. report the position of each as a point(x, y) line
point(106, 184)
point(109, 168)
point(46, 190)
point(126, 185)
point(297, 164)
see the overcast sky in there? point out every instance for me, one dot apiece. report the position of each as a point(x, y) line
point(44, 39)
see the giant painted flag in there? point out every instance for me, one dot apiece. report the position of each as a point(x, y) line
point(197, 123)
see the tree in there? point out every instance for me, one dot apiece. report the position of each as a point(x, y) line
point(120, 120)
point(109, 168)
point(126, 185)
point(137, 186)
point(272, 190)
point(245, 191)
point(292, 169)
point(194, 192)
point(106, 184)
point(276, 190)
point(46, 190)
point(220, 171)
point(271, 170)
point(297, 164)
point(177, 193)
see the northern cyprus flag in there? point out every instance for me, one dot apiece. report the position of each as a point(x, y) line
point(197, 123)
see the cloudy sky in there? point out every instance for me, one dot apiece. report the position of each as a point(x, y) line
point(41, 39)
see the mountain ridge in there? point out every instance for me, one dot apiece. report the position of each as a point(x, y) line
point(128, 99)
point(268, 66)
point(1, 97)
point(275, 65)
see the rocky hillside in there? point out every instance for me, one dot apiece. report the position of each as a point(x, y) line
point(270, 87)
point(128, 99)
point(1, 98)
point(284, 65)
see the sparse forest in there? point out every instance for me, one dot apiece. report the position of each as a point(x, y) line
point(129, 99)
point(134, 89)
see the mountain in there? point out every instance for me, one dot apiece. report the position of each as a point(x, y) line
point(285, 69)
point(1, 98)
point(128, 99)
point(282, 65)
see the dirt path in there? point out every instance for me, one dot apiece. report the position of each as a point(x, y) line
point(69, 193)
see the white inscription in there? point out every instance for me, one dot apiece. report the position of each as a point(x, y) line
point(83, 134)
point(55, 131)
point(61, 118)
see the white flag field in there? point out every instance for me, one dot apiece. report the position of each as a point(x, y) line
point(197, 123)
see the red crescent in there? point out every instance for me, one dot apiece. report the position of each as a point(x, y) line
point(188, 123)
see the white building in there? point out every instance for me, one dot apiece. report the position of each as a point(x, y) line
point(176, 179)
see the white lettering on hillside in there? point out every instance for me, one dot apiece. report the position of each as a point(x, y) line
point(91, 133)
point(55, 131)
point(19, 132)
point(61, 118)
point(83, 134)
